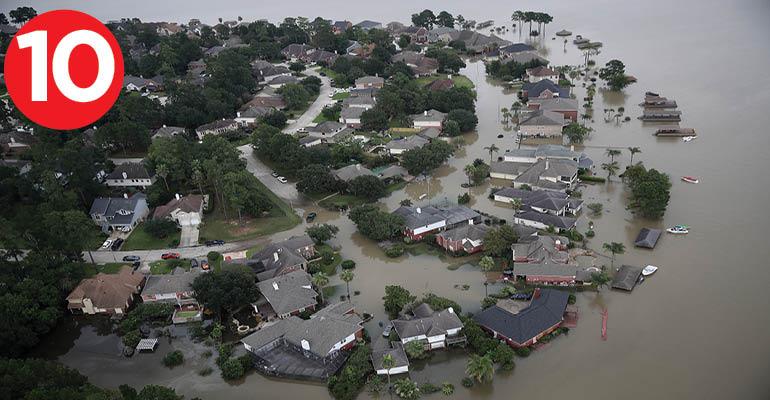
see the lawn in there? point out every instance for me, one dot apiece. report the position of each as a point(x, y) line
point(342, 200)
point(399, 133)
point(280, 218)
point(108, 268)
point(328, 269)
point(162, 267)
point(341, 96)
point(334, 76)
point(459, 80)
point(141, 240)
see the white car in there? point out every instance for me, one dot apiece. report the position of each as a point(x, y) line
point(282, 179)
point(107, 243)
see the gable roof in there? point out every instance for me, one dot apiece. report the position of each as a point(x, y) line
point(108, 290)
point(289, 292)
point(557, 221)
point(275, 258)
point(541, 249)
point(626, 277)
point(427, 322)
point(541, 70)
point(516, 48)
point(130, 170)
point(429, 116)
point(189, 203)
point(543, 118)
point(117, 210)
point(178, 281)
point(474, 232)
point(647, 237)
point(537, 88)
point(350, 172)
point(440, 84)
point(407, 143)
point(370, 80)
point(545, 311)
point(415, 217)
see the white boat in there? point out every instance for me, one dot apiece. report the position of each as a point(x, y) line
point(690, 179)
point(649, 270)
point(689, 138)
point(679, 230)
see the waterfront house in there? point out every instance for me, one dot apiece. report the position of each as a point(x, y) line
point(110, 294)
point(545, 124)
point(421, 221)
point(507, 169)
point(350, 172)
point(369, 82)
point(626, 277)
point(542, 89)
point(428, 119)
point(554, 274)
point(119, 213)
point(537, 74)
point(467, 239)
point(477, 43)
point(562, 105)
point(544, 314)
point(399, 146)
point(397, 354)
point(286, 295)
point(543, 201)
point(175, 288)
point(217, 127)
point(282, 257)
point(647, 238)
point(549, 174)
point(542, 221)
point(130, 174)
point(435, 329)
point(524, 58)
point(515, 48)
point(540, 249)
point(306, 349)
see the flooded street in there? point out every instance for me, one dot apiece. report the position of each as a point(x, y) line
point(698, 328)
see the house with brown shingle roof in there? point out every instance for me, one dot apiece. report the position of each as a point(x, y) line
point(106, 293)
point(184, 210)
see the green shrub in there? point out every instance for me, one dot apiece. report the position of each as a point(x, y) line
point(447, 389)
point(173, 359)
point(467, 382)
point(523, 351)
point(348, 264)
point(428, 388)
point(415, 350)
point(131, 339)
point(394, 251)
point(572, 298)
point(590, 233)
point(232, 369)
point(464, 198)
point(591, 178)
point(353, 375)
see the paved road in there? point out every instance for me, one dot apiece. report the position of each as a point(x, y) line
point(107, 256)
point(286, 191)
point(315, 108)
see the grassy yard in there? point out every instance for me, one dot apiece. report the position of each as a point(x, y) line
point(341, 96)
point(280, 218)
point(141, 240)
point(334, 76)
point(162, 267)
point(108, 268)
point(342, 200)
point(459, 80)
point(399, 133)
point(328, 269)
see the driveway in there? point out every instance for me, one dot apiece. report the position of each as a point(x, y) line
point(315, 108)
point(189, 236)
point(286, 191)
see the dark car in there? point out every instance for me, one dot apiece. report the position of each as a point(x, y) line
point(215, 242)
point(116, 244)
point(131, 258)
point(310, 217)
point(193, 263)
point(170, 256)
point(521, 296)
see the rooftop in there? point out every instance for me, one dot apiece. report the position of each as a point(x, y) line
point(545, 311)
point(289, 292)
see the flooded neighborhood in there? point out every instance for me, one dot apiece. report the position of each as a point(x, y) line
point(692, 105)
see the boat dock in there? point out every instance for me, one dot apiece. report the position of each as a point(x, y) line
point(626, 277)
point(674, 131)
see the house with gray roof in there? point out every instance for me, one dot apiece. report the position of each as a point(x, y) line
point(436, 329)
point(524, 57)
point(217, 127)
point(442, 34)
point(542, 89)
point(507, 169)
point(130, 174)
point(286, 295)
point(370, 81)
point(428, 119)
point(544, 314)
point(541, 249)
point(559, 175)
point(514, 48)
point(351, 116)
point(251, 115)
point(430, 133)
point(397, 354)
point(282, 257)
point(326, 129)
point(541, 221)
point(119, 213)
point(399, 146)
point(647, 238)
point(542, 124)
point(168, 132)
point(563, 105)
point(297, 51)
point(350, 172)
point(281, 80)
point(360, 99)
point(306, 349)
point(366, 25)
point(543, 201)
point(421, 221)
point(174, 288)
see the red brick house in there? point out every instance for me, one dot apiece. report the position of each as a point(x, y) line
point(465, 238)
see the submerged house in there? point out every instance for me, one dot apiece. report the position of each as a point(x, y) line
point(463, 239)
point(286, 295)
point(283, 257)
point(436, 329)
point(397, 354)
point(647, 238)
point(421, 221)
point(176, 289)
point(543, 315)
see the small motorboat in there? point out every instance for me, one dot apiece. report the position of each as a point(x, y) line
point(690, 179)
point(649, 270)
point(679, 229)
point(688, 138)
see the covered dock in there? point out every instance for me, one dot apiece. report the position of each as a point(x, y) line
point(626, 277)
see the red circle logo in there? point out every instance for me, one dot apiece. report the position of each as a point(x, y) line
point(64, 69)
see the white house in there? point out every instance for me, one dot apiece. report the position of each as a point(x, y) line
point(428, 119)
point(537, 74)
point(436, 329)
point(397, 354)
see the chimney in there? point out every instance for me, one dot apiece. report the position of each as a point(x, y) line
point(275, 258)
point(164, 125)
point(305, 345)
point(125, 175)
point(275, 285)
point(425, 112)
point(177, 196)
point(451, 310)
point(125, 195)
point(238, 114)
point(419, 210)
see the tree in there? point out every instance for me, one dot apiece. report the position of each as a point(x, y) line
point(451, 128)
point(275, 118)
point(469, 170)
point(22, 14)
point(241, 191)
point(650, 191)
point(294, 95)
point(320, 280)
point(396, 298)
point(225, 290)
point(576, 133)
point(445, 19)
point(498, 241)
point(297, 66)
point(633, 150)
point(486, 264)
point(425, 18)
point(374, 223)
point(368, 187)
point(415, 349)
point(612, 153)
point(492, 149)
point(406, 389)
point(123, 135)
point(374, 120)
point(611, 168)
point(321, 233)
point(600, 278)
point(421, 160)
point(347, 275)
point(480, 368)
point(614, 73)
point(467, 120)
point(614, 248)
point(317, 179)
point(388, 363)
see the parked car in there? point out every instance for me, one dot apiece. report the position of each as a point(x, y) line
point(214, 242)
point(193, 263)
point(282, 179)
point(521, 296)
point(388, 329)
point(275, 174)
point(170, 256)
point(107, 243)
point(116, 244)
point(131, 258)
point(310, 217)
point(204, 265)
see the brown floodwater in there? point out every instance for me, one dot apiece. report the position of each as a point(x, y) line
point(698, 328)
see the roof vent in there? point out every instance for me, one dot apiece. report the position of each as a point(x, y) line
point(305, 345)
point(275, 285)
point(451, 310)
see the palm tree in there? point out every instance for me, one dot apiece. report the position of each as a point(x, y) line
point(486, 264)
point(611, 153)
point(387, 364)
point(516, 203)
point(491, 149)
point(320, 280)
point(611, 168)
point(480, 368)
point(614, 248)
point(469, 169)
point(634, 150)
point(347, 276)
point(506, 115)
